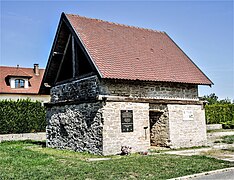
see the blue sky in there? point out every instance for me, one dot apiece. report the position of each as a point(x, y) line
point(203, 29)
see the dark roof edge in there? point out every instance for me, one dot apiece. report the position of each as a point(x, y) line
point(22, 76)
point(21, 93)
point(42, 88)
point(157, 81)
point(211, 83)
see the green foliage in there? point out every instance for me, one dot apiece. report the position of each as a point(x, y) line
point(213, 99)
point(29, 160)
point(21, 116)
point(225, 101)
point(220, 114)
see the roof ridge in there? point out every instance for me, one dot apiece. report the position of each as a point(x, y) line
point(119, 24)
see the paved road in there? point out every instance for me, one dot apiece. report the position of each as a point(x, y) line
point(221, 175)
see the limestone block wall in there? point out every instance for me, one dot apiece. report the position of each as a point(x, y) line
point(77, 127)
point(187, 126)
point(148, 89)
point(113, 138)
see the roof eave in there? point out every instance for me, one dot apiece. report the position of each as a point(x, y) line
point(25, 93)
point(211, 83)
point(18, 76)
point(150, 80)
point(42, 88)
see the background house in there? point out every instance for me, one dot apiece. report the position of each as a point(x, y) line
point(114, 85)
point(21, 83)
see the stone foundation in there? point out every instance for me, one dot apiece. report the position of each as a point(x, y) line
point(96, 127)
point(79, 120)
point(77, 127)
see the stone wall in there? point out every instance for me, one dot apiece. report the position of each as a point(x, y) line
point(41, 136)
point(213, 126)
point(148, 89)
point(113, 138)
point(159, 125)
point(89, 88)
point(79, 90)
point(95, 126)
point(187, 126)
point(77, 127)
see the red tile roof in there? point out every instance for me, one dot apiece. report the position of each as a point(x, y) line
point(35, 80)
point(126, 52)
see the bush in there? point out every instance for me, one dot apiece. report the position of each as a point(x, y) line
point(220, 114)
point(21, 116)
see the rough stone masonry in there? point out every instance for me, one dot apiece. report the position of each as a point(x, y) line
point(85, 115)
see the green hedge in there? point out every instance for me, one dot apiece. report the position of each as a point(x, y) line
point(220, 114)
point(21, 116)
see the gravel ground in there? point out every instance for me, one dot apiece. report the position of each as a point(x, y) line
point(218, 150)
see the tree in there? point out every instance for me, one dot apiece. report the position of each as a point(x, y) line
point(225, 101)
point(212, 98)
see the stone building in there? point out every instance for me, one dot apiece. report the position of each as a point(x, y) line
point(113, 85)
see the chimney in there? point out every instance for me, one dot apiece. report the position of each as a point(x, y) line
point(36, 69)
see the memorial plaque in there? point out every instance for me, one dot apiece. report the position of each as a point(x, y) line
point(126, 120)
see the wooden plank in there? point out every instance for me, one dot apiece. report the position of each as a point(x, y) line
point(148, 100)
point(64, 53)
point(83, 48)
point(68, 102)
point(75, 58)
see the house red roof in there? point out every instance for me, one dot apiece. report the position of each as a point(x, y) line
point(35, 80)
point(126, 52)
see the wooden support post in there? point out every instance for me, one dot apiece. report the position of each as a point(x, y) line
point(74, 59)
point(64, 53)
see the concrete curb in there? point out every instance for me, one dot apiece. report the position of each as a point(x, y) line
point(40, 136)
point(202, 174)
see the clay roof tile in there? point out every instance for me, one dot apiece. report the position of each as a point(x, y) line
point(127, 52)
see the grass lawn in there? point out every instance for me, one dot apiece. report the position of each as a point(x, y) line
point(30, 160)
point(219, 130)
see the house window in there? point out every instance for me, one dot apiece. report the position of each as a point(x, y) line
point(19, 83)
